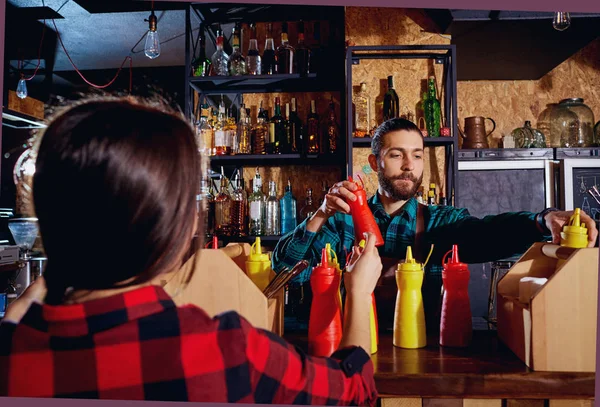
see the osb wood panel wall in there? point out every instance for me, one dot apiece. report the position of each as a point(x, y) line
point(390, 26)
point(511, 103)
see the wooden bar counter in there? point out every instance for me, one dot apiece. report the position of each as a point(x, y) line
point(485, 374)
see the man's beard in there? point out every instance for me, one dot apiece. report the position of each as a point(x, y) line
point(399, 192)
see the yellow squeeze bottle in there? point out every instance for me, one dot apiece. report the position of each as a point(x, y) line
point(409, 315)
point(574, 234)
point(373, 316)
point(258, 266)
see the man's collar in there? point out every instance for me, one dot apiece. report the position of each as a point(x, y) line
point(408, 211)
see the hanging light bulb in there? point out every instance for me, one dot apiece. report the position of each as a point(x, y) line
point(561, 21)
point(152, 48)
point(22, 88)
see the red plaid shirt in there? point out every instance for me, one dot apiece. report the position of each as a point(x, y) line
point(140, 346)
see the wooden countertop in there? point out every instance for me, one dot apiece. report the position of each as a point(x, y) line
point(487, 369)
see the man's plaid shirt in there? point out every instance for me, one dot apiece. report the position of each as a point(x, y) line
point(479, 240)
point(140, 346)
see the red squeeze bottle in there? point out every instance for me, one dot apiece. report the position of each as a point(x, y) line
point(325, 322)
point(215, 243)
point(456, 325)
point(362, 217)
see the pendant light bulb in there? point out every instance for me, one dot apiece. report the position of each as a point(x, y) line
point(152, 47)
point(22, 88)
point(561, 21)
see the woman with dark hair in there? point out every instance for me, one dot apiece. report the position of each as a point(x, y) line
point(115, 195)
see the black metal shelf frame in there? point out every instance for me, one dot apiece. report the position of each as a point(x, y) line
point(207, 15)
point(442, 54)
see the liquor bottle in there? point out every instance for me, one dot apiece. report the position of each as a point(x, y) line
point(256, 204)
point(297, 130)
point(268, 57)
point(312, 129)
point(222, 146)
point(362, 105)
point(287, 205)
point(272, 212)
point(237, 63)
point(431, 198)
point(239, 205)
point(223, 209)
point(206, 207)
point(333, 131)
point(205, 133)
point(202, 64)
point(391, 102)
point(432, 110)
point(302, 53)
point(260, 132)
point(433, 188)
point(285, 53)
point(231, 131)
point(253, 59)
point(324, 192)
point(309, 208)
point(276, 130)
point(244, 130)
point(220, 58)
point(287, 142)
point(443, 200)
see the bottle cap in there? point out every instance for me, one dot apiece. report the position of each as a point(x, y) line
point(331, 256)
point(453, 261)
point(574, 234)
point(256, 253)
point(409, 264)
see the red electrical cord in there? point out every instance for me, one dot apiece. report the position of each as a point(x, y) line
point(39, 54)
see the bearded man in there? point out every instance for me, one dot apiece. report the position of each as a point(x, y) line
point(397, 156)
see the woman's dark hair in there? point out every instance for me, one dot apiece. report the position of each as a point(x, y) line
point(115, 194)
point(389, 126)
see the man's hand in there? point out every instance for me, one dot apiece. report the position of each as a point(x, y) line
point(557, 219)
point(336, 197)
point(36, 292)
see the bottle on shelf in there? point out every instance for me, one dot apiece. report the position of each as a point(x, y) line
point(316, 49)
point(333, 131)
point(256, 204)
point(285, 53)
point(297, 130)
point(272, 227)
point(206, 207)
point(432, 110)
point(324, 192)
point(220, 58)
point(312, 130)
point(287, 142)
point(244, 130)
point(309, 208)
point(443, 200)
point(260, 133)
point(268, 57)
point(205, 133)
point(253, 59)
point(239, 205)
point(302, 53)
point(231, 131)
point(287, 205)
point(433, 188)
point(276, 130)
point(236, 63)
point(362, 105)
point(431, 198)
point(223, 209)
point(391, 102)
point(202, 64)
point(222, 145)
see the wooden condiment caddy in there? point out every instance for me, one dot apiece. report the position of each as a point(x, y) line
point(220, 284)
point(556, 330)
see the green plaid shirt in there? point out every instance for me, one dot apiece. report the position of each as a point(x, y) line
point(482, 240)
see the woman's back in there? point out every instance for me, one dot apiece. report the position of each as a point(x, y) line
point(139, 346)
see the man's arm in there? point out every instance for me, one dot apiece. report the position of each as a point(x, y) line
point(307, 241)
point(490, 238)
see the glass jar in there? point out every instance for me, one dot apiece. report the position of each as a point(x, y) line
point(585, 122)
point(597, 134)
point(564, 126)
point(543, 125)
point(528, 137)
